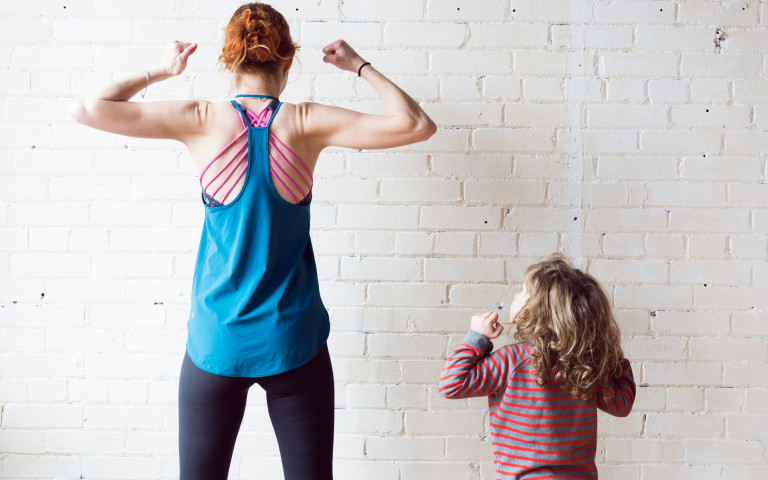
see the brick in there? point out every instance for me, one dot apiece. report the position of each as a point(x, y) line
point(535, 115)
point(20, 441)
point(711, 273)
point(626, 90)
point(618, 116)
point(474, 270)
point(669, 91)
point(445, 471)
point(460, 88)
point(42, 416)
point(711, 116)
point(656, 348)
point(534, 219)
point(358, 34)
point(672, 472)
point(691, 323)
point(618, 36)
point(720, 168)
point(377, 217)
point(444, 423)
point(609, 142)
point(709, 220)
point(623, 244)
point(705, 90)
point(43, 465)
point(736, 375)
point(506, 35)
point(744, 472)
point(641, 64)
point(460, 218)
point(469, 62)
point(688, 373)
point(143, 8)
point(414, 243)
point(652, 12)
point(94, 30)
point(627, 220)
point(628, 271)
point(722, 451)
point(684, 399)
point(728, 297)
point(634, 450)
point(714, 13)
point(465, 115)
point(479, 296)
point(424, 448)
point(397, 10)
point(714, 348)
point(417, 190)
point(685, 426)
point(745, 427)
point(541, 244)
point(406, 397)
point(114, 467)
point(656, 38)
point(725, 399)
point(381, 269)
point(418, 34)
point(707, 246)
point(749, 323)
point(24, 30)
point(678, 141)
point(713, 65)
point(387, 164)
point(498, 243)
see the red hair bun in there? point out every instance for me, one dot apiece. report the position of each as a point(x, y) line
point(257, 37)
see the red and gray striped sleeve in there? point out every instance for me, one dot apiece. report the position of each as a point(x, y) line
point(618, 396)
point(472, 372)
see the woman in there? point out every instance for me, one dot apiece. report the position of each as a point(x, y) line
point(257, 316)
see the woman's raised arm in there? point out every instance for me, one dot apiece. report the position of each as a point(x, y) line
point(405, 122)
point(111, 110)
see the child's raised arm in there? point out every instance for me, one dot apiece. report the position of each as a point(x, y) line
point(619, 395)
point(470, 371)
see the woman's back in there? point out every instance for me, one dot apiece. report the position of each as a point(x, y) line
point(220, 155)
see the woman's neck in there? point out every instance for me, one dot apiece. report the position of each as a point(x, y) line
point(254, 84)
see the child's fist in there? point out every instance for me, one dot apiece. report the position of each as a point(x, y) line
point(487, 324)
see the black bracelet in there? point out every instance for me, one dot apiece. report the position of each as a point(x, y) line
point(361, 68)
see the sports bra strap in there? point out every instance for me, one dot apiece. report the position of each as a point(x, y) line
point(246, 123)
point(272, 117)
point(257, 96)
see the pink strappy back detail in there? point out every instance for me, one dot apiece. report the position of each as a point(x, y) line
point(287, 169)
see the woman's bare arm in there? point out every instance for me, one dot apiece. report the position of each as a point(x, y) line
point(405, 122)
point(111, 110)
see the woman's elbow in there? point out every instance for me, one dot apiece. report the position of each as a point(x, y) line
point(77, 110)
point(424, 128)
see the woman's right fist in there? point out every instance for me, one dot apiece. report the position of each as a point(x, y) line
point(340, 54)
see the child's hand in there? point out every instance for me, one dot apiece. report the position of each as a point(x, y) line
point(487, 324)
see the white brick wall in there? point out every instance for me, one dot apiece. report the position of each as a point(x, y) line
point(611, 130)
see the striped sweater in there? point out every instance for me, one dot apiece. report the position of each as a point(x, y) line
point(537, 433)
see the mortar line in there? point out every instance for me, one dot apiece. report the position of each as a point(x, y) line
point(574, 98)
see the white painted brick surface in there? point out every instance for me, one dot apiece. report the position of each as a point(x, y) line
point(612, 131)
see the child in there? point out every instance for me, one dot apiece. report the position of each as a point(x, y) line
point(544, 392)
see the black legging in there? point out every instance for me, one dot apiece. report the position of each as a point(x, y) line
point(300, 404)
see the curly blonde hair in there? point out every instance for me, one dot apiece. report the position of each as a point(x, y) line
point(568, 321)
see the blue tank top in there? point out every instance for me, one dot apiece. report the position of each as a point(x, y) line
point(256, 306)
